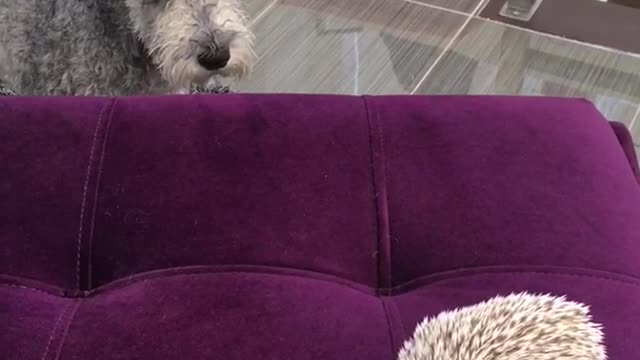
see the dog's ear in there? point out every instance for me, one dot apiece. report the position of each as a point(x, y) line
point(519, 326)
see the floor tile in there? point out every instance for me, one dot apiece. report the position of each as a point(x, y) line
point(254, 7)
point(617, 25)
point(491, 58)
point(635, 133)
point(635, 128)
point(348, 47)
point(467, 6)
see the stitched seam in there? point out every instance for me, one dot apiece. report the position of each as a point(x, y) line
point(394, 308)
point(86, 188)
point(390, 289)
point(513, 272)
point(66, 328)
point(54, 330)
point(417, 283)
point(301, 274)
point(375, 190)
point(107, 127)
point(385, 201)
point(380, 196)
point(354, 286)
point(27, 288)
point(387, 317)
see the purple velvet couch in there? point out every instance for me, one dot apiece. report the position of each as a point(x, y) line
point(238, 227)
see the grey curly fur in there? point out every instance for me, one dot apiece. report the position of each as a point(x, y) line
point(218, 89)
point(118, 47)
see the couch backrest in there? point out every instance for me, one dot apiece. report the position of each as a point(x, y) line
point(376, 190)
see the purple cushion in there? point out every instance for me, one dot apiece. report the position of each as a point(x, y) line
point(303, 227)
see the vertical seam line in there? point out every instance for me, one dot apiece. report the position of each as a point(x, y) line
point(105, 138)
point(387, 316)
point(375, 192)
point(67, 325)
point(86, 189)
point(378, 171)
point(396, 310)
point(54, 330)
point(384, 208)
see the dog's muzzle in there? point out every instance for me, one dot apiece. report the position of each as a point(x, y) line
point(214, 59)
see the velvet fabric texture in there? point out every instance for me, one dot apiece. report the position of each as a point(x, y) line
point(303, 227)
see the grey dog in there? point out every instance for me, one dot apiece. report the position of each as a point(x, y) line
point(121, 47)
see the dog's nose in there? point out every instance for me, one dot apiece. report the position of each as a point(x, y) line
point(214, 59)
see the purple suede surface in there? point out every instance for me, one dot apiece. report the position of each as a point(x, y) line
point(479, 188)
point(300, 226)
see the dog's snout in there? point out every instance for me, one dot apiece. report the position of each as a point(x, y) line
point(214, 59)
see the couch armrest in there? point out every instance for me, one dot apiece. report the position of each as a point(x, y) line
point(626, 142)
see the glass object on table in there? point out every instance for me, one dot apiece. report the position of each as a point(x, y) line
point(522, 10)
